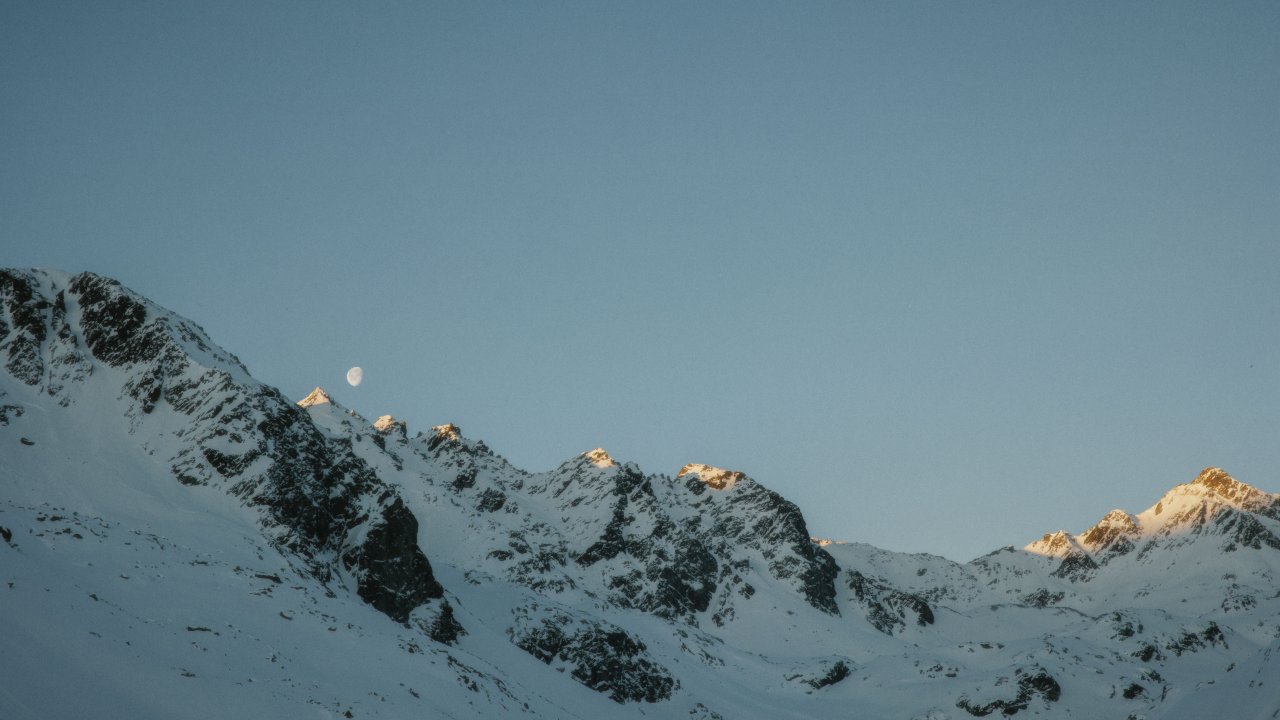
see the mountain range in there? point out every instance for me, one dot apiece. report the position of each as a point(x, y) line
point(180, 540)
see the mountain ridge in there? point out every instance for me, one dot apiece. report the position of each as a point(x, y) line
point(317, 559)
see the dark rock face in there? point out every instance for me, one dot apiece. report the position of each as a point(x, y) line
point(1193, 641)
point(683, 569)
point(38, 343)
point(672, 547)
point(444, 628)
point(296, 491)
point(1228, 488)
point(888, 610)
point(9, 411)
point(1076, 566)
point(1243, 530)
point(1031, 683)
point(314, 494)
point(755, 517)
point(677, 574)
point(395, 576)
point(1043, 598)
point(839, 671)
point(114, 324)
point(599, 655)
point(491, 500)
point(25, 330)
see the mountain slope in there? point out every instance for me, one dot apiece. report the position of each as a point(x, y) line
point(179, 538)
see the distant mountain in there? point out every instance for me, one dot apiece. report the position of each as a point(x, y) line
point(180, 540)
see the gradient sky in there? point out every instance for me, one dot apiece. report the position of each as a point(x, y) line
point(947, 275)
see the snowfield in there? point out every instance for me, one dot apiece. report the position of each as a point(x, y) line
point(178, 540)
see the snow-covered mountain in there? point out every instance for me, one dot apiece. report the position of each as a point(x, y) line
point(180, 540)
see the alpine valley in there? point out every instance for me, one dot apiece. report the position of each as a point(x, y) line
point(179, 540)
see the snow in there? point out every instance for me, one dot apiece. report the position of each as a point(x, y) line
point(126, 593)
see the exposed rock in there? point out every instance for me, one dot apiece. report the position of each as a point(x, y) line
point(318, 500)
point(388, 425)
point(1076, 566)
point(888, 610)
point(491, 500)
point(822, 674)
point(442, 435)
point(1054, 544)
point(1030, 684)
point(714, 478)
point(442, 626)
point(1043, 598)
point(1113, 535)
point(598, 654)
point(394, 575)
point(315, 397)
point(599, 458)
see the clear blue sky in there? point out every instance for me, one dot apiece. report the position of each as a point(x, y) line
point(947, 275)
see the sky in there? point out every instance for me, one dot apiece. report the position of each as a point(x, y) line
point(946, 275)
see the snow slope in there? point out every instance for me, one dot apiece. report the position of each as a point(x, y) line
point(180, 540)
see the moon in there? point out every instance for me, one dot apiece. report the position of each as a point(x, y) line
point(355, 376)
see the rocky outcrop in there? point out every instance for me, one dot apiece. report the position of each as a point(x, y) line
point(388, 425)
point(1029, 683)
point(887, 609)
point(597, 654)
point(318, 501)
point(747, 515)
point(1115, 534)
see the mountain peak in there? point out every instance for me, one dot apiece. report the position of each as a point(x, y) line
point(317, 397)
point(1217, 480)
point(387, 424)
point(1053, 544)
point(1109, 531)
point(714, 477)
point(1119, 518)
point(599, 458)
point(447, 431)
point(1211, 491)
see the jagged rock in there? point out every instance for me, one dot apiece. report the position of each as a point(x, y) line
point(1030, 684)
point(714, 478)
point(442, 626)
point(394, 575)
point(9, 411)
point(1243, 530)
point(598, 654)
point(1115, 526)
point(1076, 566)
point(318, 500)
point(388, 425)
point(888, 610)
point(839, 671)
point(777, 529)
point(616, 575)
point(1043, 598)
point(25, 331)
point(826, 674)
point(315, 397)
point(444, 434)
point(1193, 641)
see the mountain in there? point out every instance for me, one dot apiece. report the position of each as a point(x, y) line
point(182, 541)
